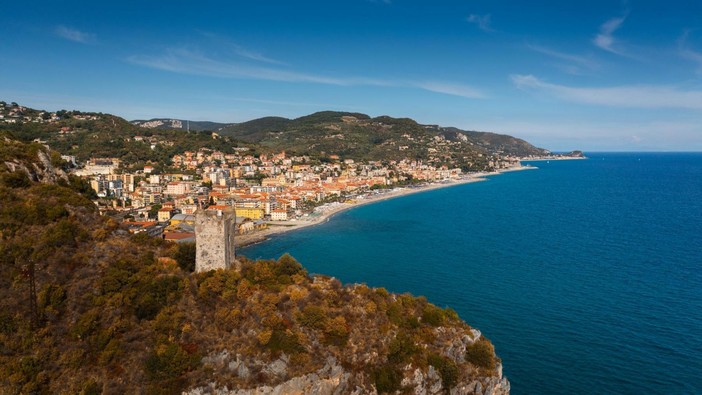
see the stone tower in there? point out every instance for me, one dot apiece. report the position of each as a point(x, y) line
point(214, 235)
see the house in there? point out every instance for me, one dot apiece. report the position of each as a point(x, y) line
point(250, 212)
point(244, 225)
point(279, 214)
point(164, 214)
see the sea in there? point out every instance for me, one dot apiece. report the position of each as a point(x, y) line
point(585, 274)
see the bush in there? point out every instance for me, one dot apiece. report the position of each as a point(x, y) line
point(185, 256)
point(481, 354)
point(15, 179)
point(284, 341)
point(433, 315)
point(387, 379)
point(402, 348)
point(447, 370)
point(169, 361)
point(313, 317)
point(287, 265)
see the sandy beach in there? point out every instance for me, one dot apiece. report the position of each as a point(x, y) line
point(323, 213)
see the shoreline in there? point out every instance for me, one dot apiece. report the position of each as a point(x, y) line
point(324, 213)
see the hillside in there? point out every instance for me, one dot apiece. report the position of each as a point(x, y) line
point(87, 308)
point(320, 135)
point(179, 124)
point(88, 135)
point(358, 136)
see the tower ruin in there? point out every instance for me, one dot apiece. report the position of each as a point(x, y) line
point(214, 238)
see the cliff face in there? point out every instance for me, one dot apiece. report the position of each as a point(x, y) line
point(386, 343)
point(333, 379)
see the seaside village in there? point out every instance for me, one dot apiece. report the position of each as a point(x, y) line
point(268, 190)
point(264, 190)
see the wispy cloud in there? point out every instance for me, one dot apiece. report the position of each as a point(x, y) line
point(688, 53)
point(694, 56)
point(576, 62)
point(238, 49)
point(449, 88)
point(482, 21)
point(634, 96)
point(605, 38)
point(194, 62)
point(187, 61)
point(74, 35)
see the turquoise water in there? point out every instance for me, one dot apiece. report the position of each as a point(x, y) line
point(586, 275)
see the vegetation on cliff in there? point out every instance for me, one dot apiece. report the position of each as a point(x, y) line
point(87, 308)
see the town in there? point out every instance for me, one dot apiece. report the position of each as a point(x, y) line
point(267, 190)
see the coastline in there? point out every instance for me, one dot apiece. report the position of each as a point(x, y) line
point(323, 213)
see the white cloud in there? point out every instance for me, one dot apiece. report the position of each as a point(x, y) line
point(74, 35)
point(634, 96)
point(577, 62)
point(688, 53)
point(482, 21)
point(605, 38)
point(237, 49)
point(449, 88)
point(187, 61)
point(694, 56)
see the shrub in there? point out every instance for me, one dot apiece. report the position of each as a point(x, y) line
point(313, 317)
point(387, 379)
point(481, 354)
point(447, 370)
point(15, 179)
point(91, 388)
point(336, 331)
point(287, 265)
point(169, 361)
point(402, 348)
point(185, 256)
point(284, 341)
point(433, 315)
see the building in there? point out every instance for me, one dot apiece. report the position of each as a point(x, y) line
point(250, 212)
point(164, 214)
point(279, 215)
point(214, 235)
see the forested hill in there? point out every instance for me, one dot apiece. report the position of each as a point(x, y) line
point(85, 308)
point(360, 136)
point(321, 135)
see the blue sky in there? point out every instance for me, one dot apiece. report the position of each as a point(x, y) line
point(595, 75)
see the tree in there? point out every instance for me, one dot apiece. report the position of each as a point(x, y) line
point(185, 256)
point(153, 211)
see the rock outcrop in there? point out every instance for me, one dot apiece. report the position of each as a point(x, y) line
point(334, 379)
point(37, 167)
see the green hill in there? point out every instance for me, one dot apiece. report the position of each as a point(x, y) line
point(320, 135)
point(86, 308)
point(358, 136)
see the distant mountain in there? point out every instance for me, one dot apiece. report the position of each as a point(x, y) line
point(165, 124)
point(494, 142)
point(325, 135)
point(358, 136)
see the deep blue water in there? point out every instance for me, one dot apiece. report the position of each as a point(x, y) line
point(586, 275)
